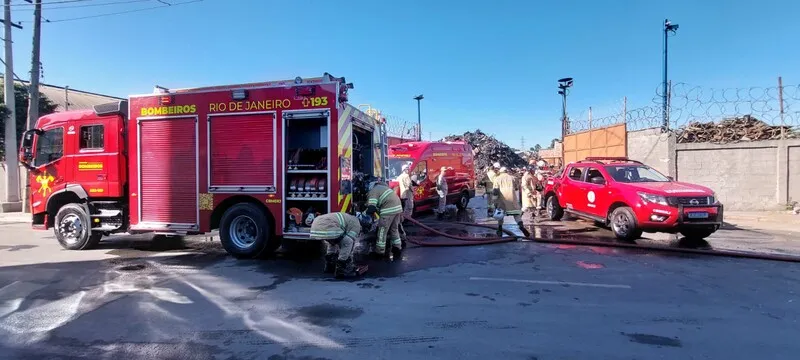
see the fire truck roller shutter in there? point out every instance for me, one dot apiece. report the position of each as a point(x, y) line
point(242, 150)
point(168, 159)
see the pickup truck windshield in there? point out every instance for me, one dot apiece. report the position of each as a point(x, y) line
point(635, 174)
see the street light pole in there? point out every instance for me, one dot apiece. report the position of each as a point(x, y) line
point(563, 88)
point(668, 27)
point(419, 116)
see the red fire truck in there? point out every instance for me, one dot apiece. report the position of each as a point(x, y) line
point(256, 161)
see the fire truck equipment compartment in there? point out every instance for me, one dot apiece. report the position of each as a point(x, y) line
point(168, 176)
point(242, 148)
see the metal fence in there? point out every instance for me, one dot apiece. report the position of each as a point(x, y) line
point(777, 105)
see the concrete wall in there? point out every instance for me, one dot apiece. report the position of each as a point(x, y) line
point(759, 175)
point(794, 174)
point(651, 147)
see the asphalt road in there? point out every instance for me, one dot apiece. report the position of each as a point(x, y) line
point(134, 300)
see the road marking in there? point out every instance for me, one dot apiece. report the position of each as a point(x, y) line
point(545, 282)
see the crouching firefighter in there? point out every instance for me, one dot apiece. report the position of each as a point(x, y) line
point(340, 232)
point(505, 200)
point(383, 201)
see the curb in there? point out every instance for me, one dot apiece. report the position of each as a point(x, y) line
point(731, 218)
point(14, 218)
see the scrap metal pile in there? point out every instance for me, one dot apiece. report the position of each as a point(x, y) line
point(488, 150)
point(743, 128)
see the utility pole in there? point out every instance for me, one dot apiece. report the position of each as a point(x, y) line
point(33, 89)
point(66, 98)
point(522, 143)
point(668, 28)
point(12, 201)
point(419, 116)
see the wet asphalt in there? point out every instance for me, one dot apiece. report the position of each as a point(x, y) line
point(133, 299)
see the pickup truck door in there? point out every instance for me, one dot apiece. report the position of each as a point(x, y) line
point(573, 189)
point(598, 196)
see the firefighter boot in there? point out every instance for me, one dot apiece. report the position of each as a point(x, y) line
point(524, 230)
point(500, 229)
point(345, 269)
point(330, 263)
point(397, 253)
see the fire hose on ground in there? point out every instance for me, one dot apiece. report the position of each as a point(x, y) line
point(511, 237)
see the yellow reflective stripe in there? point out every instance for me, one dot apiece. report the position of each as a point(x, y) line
point(392, 210)
point(340, 218)
point(384, 195)
point(372, 201)
point(352, 234)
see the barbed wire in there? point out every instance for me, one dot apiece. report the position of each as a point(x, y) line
point(690, 104)
point(400, 128)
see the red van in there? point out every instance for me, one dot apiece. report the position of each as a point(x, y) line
point(425, 160)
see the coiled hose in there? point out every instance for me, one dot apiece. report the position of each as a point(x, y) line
point(511, 237)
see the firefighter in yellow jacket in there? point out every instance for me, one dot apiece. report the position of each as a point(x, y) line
point(386, 203)
point(506, 200)
point(340, 232)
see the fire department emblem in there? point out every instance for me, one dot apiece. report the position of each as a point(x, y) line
point(590, 196)
point(44, 181)
point(420, 191)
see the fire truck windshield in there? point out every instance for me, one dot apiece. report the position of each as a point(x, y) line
point(396, 167)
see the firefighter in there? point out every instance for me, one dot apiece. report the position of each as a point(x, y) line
point(340, 232)
point(383, 201)
point(406, 191)
point(505, 200)
point(441, 190)
point(539, 194)
point(491, 174)
point(528, 192)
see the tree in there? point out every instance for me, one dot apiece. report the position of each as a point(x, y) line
point(46, 107)
point(553, 143)
point(537, 148)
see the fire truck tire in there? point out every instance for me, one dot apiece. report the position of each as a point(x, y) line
point(624, 225)
point(245, 232)
point(73, 228)
point(463, 200)
point(554, 210)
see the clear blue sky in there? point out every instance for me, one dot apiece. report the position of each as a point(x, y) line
point(491, 65)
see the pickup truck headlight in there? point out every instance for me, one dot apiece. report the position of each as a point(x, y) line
point(712, 200)
point(652, 198)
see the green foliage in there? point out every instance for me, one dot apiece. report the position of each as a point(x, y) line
point(46, 106)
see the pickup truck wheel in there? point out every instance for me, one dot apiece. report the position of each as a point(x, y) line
point(73, 228)
point(696, 234)
point(245, 232)
point(463, 200)
point(623, 223)
point(554, 210)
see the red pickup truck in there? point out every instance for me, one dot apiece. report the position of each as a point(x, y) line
point(632, 198)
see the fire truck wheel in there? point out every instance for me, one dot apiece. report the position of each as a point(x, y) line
point(73, 228)
point(623, 223)
point(463, 200)
point(245, 232)
point(554, 210)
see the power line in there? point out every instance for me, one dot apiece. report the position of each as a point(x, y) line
point(68, 6)
point(51, 2)
point(119, 12)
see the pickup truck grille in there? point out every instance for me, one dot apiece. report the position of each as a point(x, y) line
point(687, 200)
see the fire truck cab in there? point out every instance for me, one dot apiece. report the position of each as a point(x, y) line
point(256, 161)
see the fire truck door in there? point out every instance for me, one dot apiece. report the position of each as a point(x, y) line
point(94, 158)
point(51, 166)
